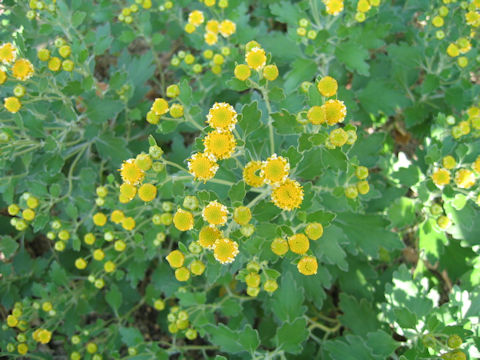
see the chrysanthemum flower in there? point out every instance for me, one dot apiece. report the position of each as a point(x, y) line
point(210, 38)
point(196, 18)
point(275, 169)
point(222, 117)
point(464, 178)
point(242, 215)
point(8, 53)
point(256, 58)
point(449, 162)
point(227, 28)
point(334, 7)
point(3, 76)
point(131, 173)
point(441, 177)
point(117, 216)
point(314, 231)
point(252, 174)
point(183, 220)
point(279, 246)
point(288, 196)
point(208, 235)
point(335, 111)
point(219, 144)
point(175, 259)
point(159, 106)
point(298, 244)
point(202, 166)
point(476, 165)
point(472, 18)
point(242, 72)
point(147, 192)
point(327, 86)
point(338, 137)
point(213, 26)
point(215, 213)
point(225, 251)
point(12, 104)
point(307, 265)
point(128, 191)
point(316, 115)
point(22, 69)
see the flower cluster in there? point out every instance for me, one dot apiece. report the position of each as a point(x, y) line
point(256, 274)
point(23, 213)
point(299, 244)
point(361, 187)
point(178, 322)
point(333, 7)
point(255, 59)
point(55, 63)
point(160, 106)
point(218, 144)
point(363, 7)
point(213, 28)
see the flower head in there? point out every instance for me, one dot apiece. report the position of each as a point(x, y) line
point(196, 18)
point(298, 243)
point(131, 173)
point(335, 111)
point(12, 104)
point(159, 106)
point(227, 28)
point(222, 117)
point(464, 178)
point(212, 26)
point(8, 53)
point(288, 195)
point(256, 58)
point(334, 7)
point(252, 174)
point(22, 69)
point(215, 213)
point(225, 251)
point(202, 166)
point(219, 144)
point(307, 265)
point(210, 38)
point(441, 177)
point(208, 235)
point(327, 86)
point(183, 220)
point(275, 169)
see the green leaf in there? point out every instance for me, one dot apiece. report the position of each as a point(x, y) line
point(381, 96)
point(406, 318)
point(353, 56)
point(286, 123)
point(233, 341)
point(328, 249)
point(237, 192)
point(250, 119)
point(402, 212)
point(351, 347)
point(102, 110)
point(113, 148)
point(114, 298)
point(358, 315)
point(291, 335)
point(301, 70)
point(131, 336)
point(286, 302)
point(8, 246)
point(381, 343)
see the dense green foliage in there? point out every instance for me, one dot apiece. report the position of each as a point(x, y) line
point(251, 218)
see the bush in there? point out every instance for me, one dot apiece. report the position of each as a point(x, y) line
point(227, 179)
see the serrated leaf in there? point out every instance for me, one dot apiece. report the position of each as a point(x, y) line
point(358, 315)
point(8, 246)
point(114, 298)
point(353, 56)
point(286, 302)
point(291, 335)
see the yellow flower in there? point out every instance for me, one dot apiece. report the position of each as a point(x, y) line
point(270, 72)
point(12, 321)
point(363, 6)
point(242, 215)
point(8, 53)
point(197, 267)
point(298, 244)
point(472, 18)
point(338, 137)
point(363, 187)
point(189, 28)
point(99, 219)
point(275, 169)
point(98, 254)
point(327, 86)
point(131, 173)
point(22, 69)
point(441, 177)
point(453, 50)
point(212, 26)
point(307, 265)
point(227, 28)
point(202, 166)
point(279, 246)
point(316, 115)
point(222, 117)
point(464, 178)
point(449, 162)
point(464, 45)
point(210, 38)
point(242, 72)
point(143, 161)
point(438, 21)
point(128, 191)
point(159, 106)
point(12, 104)
point(128, 223)
point(208, 235)
point(219, 144)
point(215, 213)
point(314, 231)
point(196, 18)
point(109, 266)
point(288, 195)
point(176, 259)
point(182, 274)
point(252, 174)
point(335, 111)
point(22, 348)
point(147, 192)
point(225, 251)
point(3, 76)
point(80, 263)
point(476, 165)
point(89, 239)
point(256, 58)
point(54, 63)
point(334, 7)
point(183, 220)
